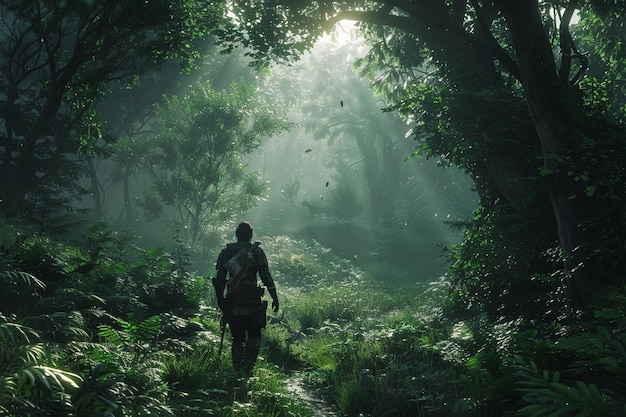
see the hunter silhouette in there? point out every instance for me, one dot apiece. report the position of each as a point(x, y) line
point(242, 306)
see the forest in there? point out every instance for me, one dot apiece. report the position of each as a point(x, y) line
point(439, 187)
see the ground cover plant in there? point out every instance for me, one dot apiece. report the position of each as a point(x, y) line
point(413, 349)
point(101, 327)
point(524, 100)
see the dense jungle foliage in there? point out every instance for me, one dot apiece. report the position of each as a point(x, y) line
point(111, 313)
point(104, 328)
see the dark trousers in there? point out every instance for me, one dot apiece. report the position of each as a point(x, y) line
point(246, 336)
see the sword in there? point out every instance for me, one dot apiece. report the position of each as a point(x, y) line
point(223, 322)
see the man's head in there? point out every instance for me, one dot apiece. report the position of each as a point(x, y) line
point(244, 232)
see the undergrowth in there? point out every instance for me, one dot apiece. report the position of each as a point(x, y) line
point(106, 329)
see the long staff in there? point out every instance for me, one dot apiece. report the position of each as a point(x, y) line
point(223, 322)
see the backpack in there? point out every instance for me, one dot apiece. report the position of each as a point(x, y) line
point(239, 266)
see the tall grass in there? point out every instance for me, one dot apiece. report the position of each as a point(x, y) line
point(391, 369)
point(360, 337)
point(271, 398)
point(372, 346)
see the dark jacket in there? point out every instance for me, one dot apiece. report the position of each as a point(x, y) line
point(247, 301)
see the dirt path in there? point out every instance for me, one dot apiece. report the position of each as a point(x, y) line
point(320, 407)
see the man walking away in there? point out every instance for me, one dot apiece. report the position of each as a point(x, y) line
point(242, 305)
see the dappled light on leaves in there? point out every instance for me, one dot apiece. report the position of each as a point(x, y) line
point(438, 186)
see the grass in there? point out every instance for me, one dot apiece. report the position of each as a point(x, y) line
point(268, 391)
point(371, 355)
point(360, 339)
point(343, 331)
point(373, 346)
point(390, 370)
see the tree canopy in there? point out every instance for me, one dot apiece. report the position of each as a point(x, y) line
point(506, 103)
point(525, 96)
point(56, 60)
point(499, 88)
point(195, 159)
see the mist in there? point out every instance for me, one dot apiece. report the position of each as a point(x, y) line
point(437, 192)
point(344, 176)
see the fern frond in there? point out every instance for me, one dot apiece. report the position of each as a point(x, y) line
point(22, 280)
point(19, 290)
point(75, 299)
point(59, 326)
point(550, 397)
point(109, 334)
point(128, 328)
point(149, 328)
point(58, 377)
point(16, 334)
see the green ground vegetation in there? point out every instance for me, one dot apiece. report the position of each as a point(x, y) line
point(101, 327)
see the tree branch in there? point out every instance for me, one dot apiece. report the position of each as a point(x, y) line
point(490, 44)
point(426, 24)
point(568, 47)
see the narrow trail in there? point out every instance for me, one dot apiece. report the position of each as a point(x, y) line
point(320, 406)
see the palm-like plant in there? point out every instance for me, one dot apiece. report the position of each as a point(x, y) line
point(48, 360)
point(583, 374)
point(19, 291)
point(28, 380)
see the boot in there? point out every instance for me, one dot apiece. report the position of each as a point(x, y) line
point(252, 351)
point(238, 353)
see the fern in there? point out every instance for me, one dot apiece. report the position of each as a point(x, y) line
point(149, 328)
point(131, 333)
point(25, 374)
point(51, 378)
point(550, 396)
point(19, 291)
point(109, 334)
point(18, 348)
point(98, 393)
point(23, 280)
point(59, 326)
point(13, 333)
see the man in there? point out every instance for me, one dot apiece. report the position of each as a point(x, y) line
point(243, 308)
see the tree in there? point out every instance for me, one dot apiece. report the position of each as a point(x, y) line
point(129, 112)
point(56, 59)
point(494, 61)
point(339, 106)
point(546, 89)
point(194, 160)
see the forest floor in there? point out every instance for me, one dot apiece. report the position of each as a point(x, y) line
point(312, 397)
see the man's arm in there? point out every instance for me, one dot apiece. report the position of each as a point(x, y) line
point(219, 282)
point(268, 281)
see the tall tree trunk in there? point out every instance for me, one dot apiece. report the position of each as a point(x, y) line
point(556, 130)
point(95, 188)
point(372, 170)
point(471, 72)
point(128, 212)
